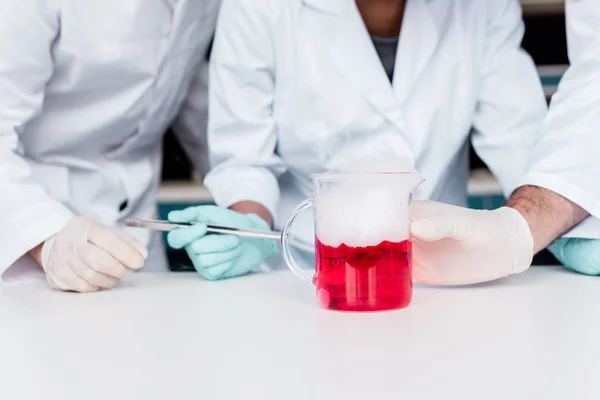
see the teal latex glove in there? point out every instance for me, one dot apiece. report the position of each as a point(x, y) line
point(580, 255)
point(217, 256)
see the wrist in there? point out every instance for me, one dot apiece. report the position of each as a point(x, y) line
point(252, 207)
point(520, 241)
point(41, 252)
point(547, 214)
point(36, 253)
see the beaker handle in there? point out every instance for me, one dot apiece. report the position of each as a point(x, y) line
point(285, 246)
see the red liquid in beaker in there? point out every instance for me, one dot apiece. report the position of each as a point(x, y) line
point(373, 278)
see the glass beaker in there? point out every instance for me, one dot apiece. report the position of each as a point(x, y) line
point(362, 244)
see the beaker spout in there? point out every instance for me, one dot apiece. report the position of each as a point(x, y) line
point(413, 181)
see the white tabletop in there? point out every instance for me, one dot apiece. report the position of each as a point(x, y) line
point(534, 336)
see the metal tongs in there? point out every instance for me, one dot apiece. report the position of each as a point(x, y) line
point(166, 226)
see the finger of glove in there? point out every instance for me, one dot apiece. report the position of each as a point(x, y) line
point(441, 227)
point(184, 216)
point(217, 272)
point(579, 255)
point(102, 262)
point(133, 242)
point(210, 260)
point(420, 209)
point(112, 243)
point(183, 237)
point(258, 222)
point(208, 214)
point(215, 244)
point(94, 277)
point(73, 282)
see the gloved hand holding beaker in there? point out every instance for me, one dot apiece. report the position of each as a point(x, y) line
point(457, 246)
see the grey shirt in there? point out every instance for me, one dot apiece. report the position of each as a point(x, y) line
point(386, 49)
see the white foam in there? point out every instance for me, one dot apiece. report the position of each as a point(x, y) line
point(370, 210)
point(363, 214)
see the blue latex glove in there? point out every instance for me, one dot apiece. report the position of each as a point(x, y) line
point(217, 256)
point(580, 255)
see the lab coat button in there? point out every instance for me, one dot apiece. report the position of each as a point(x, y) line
point(123, 205)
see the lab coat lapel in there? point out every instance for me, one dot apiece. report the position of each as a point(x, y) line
point(418, 41)
point(355, 58)
point(328, 6)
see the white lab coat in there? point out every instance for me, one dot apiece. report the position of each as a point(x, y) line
point(87, 89)
point(296, 85)
point(566, 160)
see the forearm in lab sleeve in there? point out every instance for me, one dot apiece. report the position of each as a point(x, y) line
point(547, 213)
point(511, 104)
point(565, 159)
point(30, 214)
point(588, 228)
point(31, 224)
point(235, 183)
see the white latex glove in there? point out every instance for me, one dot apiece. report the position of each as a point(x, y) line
point(458, 246)
point(87, 256)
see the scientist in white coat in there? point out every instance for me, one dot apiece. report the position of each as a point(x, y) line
point(305, 86)
point(87, 90)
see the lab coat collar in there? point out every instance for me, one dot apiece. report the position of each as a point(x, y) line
point(329, 6)
point(354, 56)
point(418, 40)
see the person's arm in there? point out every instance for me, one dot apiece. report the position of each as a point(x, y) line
point(455, 245)
point(511, 105)
point(548, 214)
point(242, 138)
point(241, 132)
point(36, 253)
point(252, 207)
point(30, 216)
point(565, 158)
point(509, 122)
